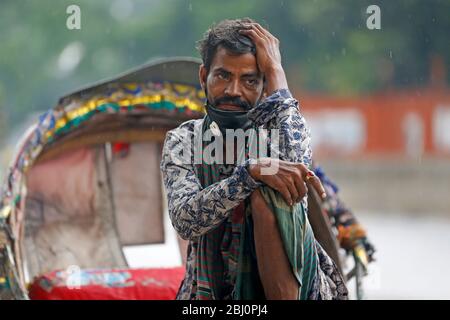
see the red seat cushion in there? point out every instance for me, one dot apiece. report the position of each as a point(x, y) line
point(108, 284)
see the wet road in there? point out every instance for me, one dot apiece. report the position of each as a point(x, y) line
point(412, 259)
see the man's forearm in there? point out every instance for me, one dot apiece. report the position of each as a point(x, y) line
point(195, 211)
point(280, 111)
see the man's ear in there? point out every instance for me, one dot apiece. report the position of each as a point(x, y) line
point(202, 75)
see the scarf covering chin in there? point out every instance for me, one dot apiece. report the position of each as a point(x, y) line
point(226, 256)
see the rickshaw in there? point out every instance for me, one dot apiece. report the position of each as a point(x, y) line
point(85, 183)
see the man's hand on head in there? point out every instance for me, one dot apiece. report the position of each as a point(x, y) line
point(268, 56)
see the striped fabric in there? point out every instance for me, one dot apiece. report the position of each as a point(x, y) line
point(217, 251)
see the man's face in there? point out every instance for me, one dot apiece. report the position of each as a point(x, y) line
point(234, 82)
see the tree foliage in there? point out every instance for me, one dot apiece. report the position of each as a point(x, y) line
point(325, 44)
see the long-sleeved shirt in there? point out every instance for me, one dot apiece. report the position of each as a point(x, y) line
point(194, 210)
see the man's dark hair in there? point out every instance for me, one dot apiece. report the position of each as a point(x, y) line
point(225, 34)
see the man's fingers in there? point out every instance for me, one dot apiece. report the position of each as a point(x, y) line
point(303, 168)
point(286, 194)
point(252, 34)
point(263, 31)
point(261, 35)
point(300, 185)
point(281, 187)
point(257, 26)
point(312, 179)
point(290, 184)
point(260, 31)
point(303, 191)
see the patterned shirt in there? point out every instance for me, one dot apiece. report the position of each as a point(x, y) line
point(194, 210)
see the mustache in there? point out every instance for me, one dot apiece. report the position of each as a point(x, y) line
point(232, 100)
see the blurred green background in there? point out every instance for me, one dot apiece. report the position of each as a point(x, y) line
point(325, 44)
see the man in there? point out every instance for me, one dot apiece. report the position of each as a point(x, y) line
point(249, 237)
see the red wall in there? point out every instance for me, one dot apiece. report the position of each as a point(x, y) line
point(384, 114)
